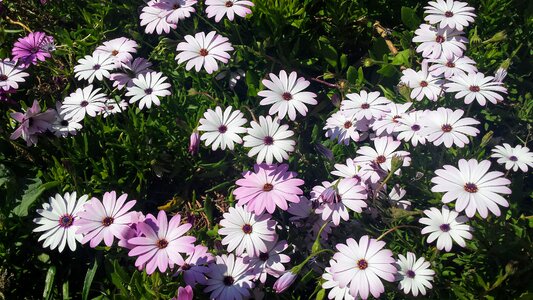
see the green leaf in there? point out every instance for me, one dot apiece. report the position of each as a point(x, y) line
point(387, 70)
point(409, 18)
point(402, 58)
point(351, 75)
point(321, 294)
point(49, 282)
point(89, 280)
point(32, 193)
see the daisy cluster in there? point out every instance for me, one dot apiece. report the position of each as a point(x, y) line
point(254, 240)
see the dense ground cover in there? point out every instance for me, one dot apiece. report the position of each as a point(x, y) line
point(341, 48)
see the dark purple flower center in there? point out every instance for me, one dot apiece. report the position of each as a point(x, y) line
point(203, 52)
point(471, 187)
point(186, 267)
point(229, 3)
point(228, 280)
point(415, 127)
point(286, 96)
point(450, 64)
point(222, 129)
point(365, 106)
point(114, 52)
point(410, 274)
point(268, 140)
point(96, 67)
point(268, 187)
point(34, 50)
point(162, 244)
point(176, 6)
point(84, 103)
point(30, 122)
point(395, 119)
point(474, 88)
point(3, 77)
point(64, 123)
point(148, 91)
point(362, 264)
point(423, 83)
point(446, 128)
point(66, 221)
point(247, 228)
point(440, 39)
point(381, 159)
point(110, 107)
point(107, 221)
point(448, 14)
point(444, 227)
point(513, 158)
point(263, 256)
point(347, 124)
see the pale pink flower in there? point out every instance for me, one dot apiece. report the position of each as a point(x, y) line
point(472, 187)
point(361, 266)
point(204, 50)
point(365, 105)
point(176, 10)
point(391, 120)
point(244, 231)
point(287, 95)
point(300, 211)
point(336, 292)
point(120, 50)
point(269, 262)
point(385, 150)
point(445, 226)
point(155, 18)
point(219, 8)
point(513, 158)
point(284, 282)
point(230, 278)
point(449, 13)
point(194, 143)
point(423, 83)
point(446, 126)
point(450, 65)
point(268, 187)
point(475, 86)
point(184, 293)
point(162, 243)
point(437, 42)
point(361, 172)
point(346, 128)
point(130, 70)
point(32, 122)
point(105, 221)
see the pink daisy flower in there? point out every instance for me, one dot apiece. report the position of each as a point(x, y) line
point(120, 50)
point(155, 18)
point(437, 42)
point(472, 187)
point(334, 199)
point(33, 48)
point(195, 266)
point(230, 278)
point(475, 86)
point(269, 262)
point(446, 227)
point(268, 187)
point(287, 95)
point(391, 120)
point(162, 243)
point(336, 292)
point(361, 172)
point(385, 150)
point(446, 126)
point(244, 231)
point(422, 83)
point(176, 10)
point(105, 221)
point(11, 74)
point(365, 105)
point(32, 122)
point(451, 65)
point(361, 266)
point(219, 8)
point(204, 50)
point(449, 13)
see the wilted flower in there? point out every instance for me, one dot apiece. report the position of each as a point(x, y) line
point(32, 122)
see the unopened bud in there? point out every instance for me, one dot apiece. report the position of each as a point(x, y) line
point(497, 37)
point(284, 282)
point(194, 143)
point(368, 62)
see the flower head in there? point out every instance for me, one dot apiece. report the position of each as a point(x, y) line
point(222, 129)
point(83, 101)
point(204, 50)
point(148, 88)
point(284, 282)
point(345, 128)
point(219, 8)
point(176, 10)
point(365, 105)
point(120, 50)
point(35, 47)
point(391, 120)
point(195, 266)
point(446, 126)
point(229, 278)
point(449, 13)
point(414, 274)
point(436, 42)
point(409, 128)
point(63, 126)
point(336, 292)
point(94, 66)
point(384, 152)
point(423, 83)
point(11, 75)
point(130, 70)
point(450, 65)
point(268, 140)
point(32, 122)
point(445, 226)
point(475, 86)
point(154, 17)
point(268, 187)
point(59, 221)
point(269, 262)
point(513, 158)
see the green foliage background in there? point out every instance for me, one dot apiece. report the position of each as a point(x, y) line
point(333, 43)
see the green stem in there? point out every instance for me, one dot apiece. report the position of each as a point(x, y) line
point(394, 229)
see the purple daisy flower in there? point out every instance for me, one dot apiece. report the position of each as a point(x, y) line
point(162, 243)
point(33, 48)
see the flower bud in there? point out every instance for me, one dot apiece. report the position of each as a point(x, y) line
point(368, 62)
point(184, 293)
point(284, 282)
point(194, 143)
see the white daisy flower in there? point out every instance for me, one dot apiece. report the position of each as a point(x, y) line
point(409, 128)
point(62, 127)
point(346, 128)
point(204, 50)
point(83, 101)
point(391, 120)
point(219, 8)
point(446, 227)
point(120, 49)
point(513, 158)
point(148, 88)
point(365, 105)
point(336, 292)
point(114, 106)
point(229, 278)
point(94, 66)
point(176, 10)
point(268, 140)
point(383, 154)
point(450, 65)
point(361, 172)
point(222, 129)
point(437, 42)
point(446, 126)
point(58, 221)
point(449, 13)
point(422, 83)
point(475, 86)
point(287, 95)
point(270, 262)
point(414, 274)
point(11, 74)
point(246, 232)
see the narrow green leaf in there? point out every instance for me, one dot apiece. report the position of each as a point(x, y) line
point(31, 194)
point(49, 282)
point(89, 280)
